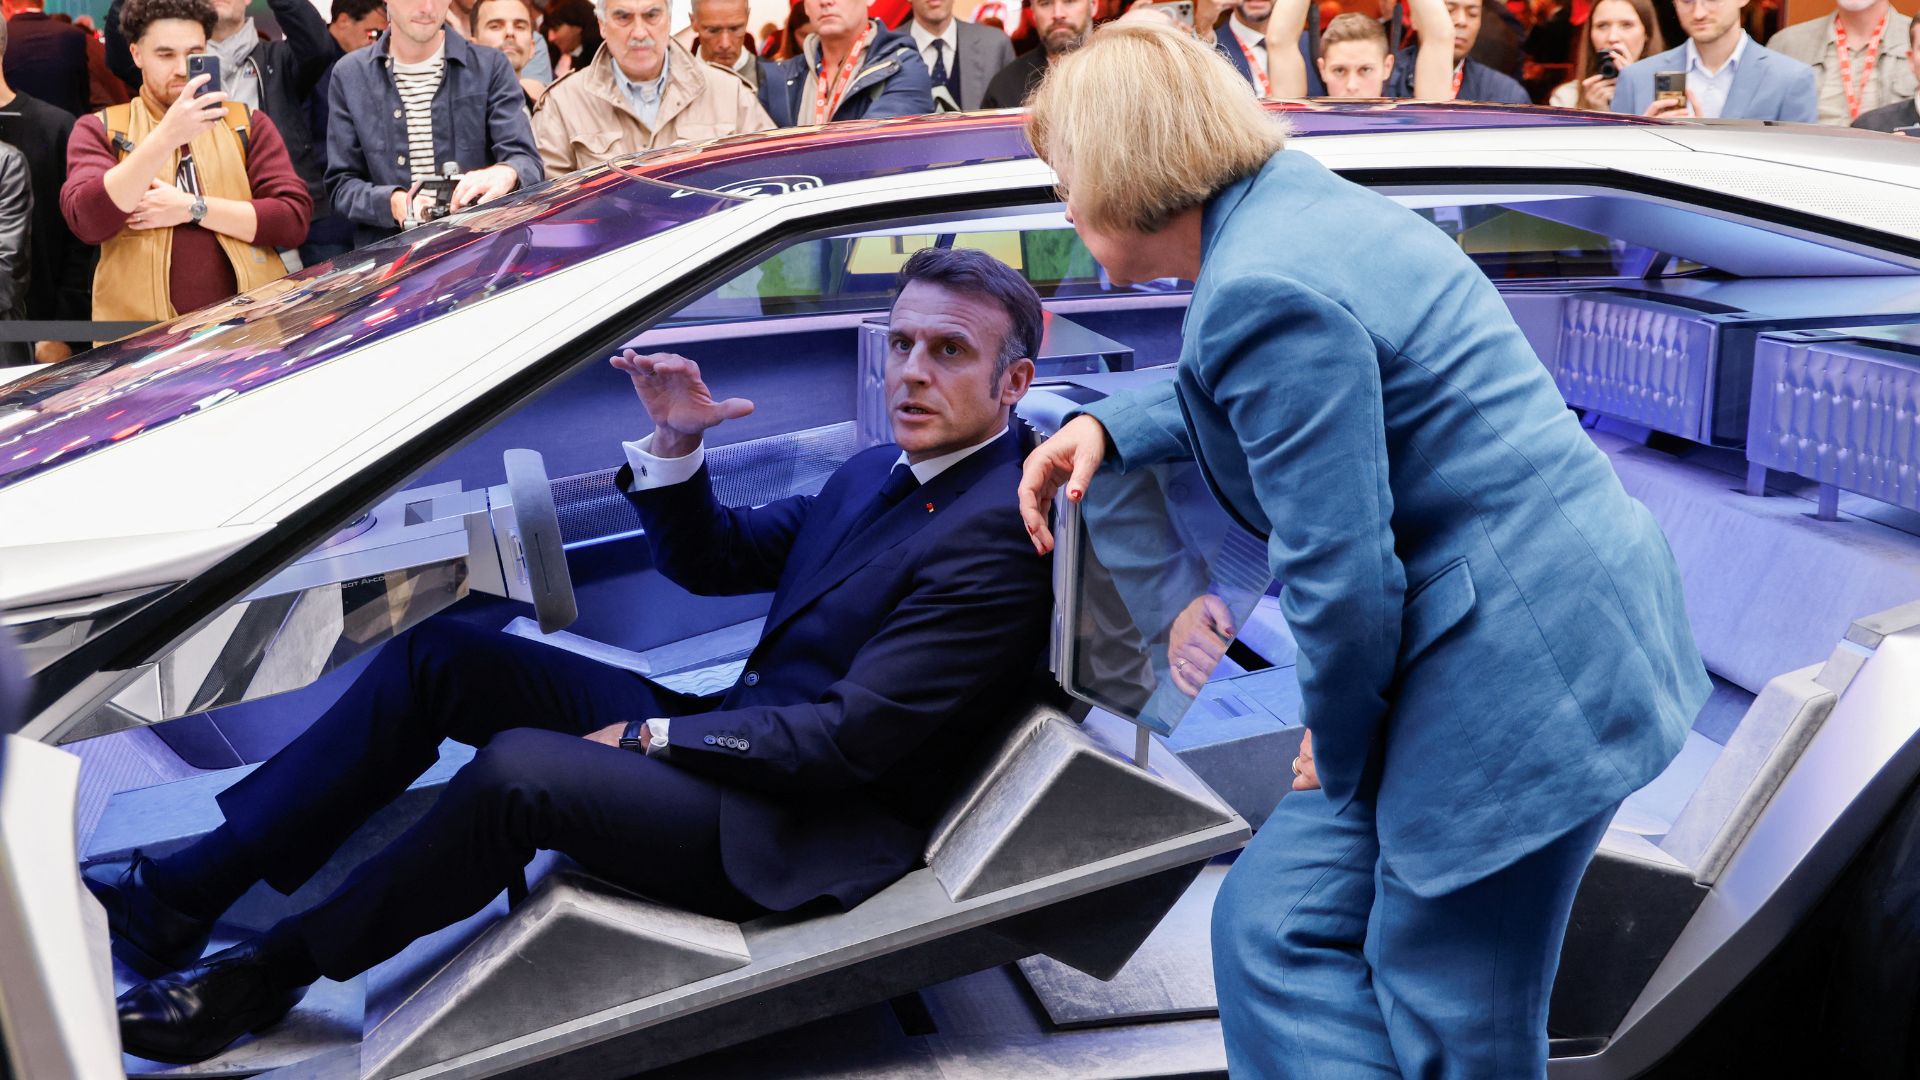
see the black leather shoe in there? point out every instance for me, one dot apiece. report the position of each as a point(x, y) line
point(191, 1015)
point(148, 936)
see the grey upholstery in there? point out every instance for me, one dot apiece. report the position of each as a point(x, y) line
point(1055, 799)
point(1757, 757)
point(575, 947)
point(1837, 411)
point(1644, 362)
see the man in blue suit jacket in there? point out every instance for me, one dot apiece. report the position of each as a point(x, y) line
point(887, 76)
point(1729, 75)
point(906, 603)
point(1492, 648)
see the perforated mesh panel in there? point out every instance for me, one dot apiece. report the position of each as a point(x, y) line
point(744, 474)
point(1840, 197)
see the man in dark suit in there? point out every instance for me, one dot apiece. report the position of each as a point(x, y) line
point(47, 58)
point(1472, 80)
point(961, 56)
point(1063, 26)
point(60, 285)
point(904, 595)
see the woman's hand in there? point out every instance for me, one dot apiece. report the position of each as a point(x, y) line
point(1596, 93)
point(1070, 457)
point(1197, 641)
point(1305, 776)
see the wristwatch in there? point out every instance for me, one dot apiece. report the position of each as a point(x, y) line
point(199, 209)
point(647, 737)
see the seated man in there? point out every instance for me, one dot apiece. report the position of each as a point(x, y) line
point(904, 595)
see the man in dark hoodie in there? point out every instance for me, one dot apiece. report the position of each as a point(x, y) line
point(852, 68)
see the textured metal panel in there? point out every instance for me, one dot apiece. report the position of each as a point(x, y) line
point(748, 473)
point(1645, 363)
point(576, 946)
point(1061, 800)
point(1840, 413)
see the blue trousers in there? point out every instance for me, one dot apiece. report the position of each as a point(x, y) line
point(1329, 967)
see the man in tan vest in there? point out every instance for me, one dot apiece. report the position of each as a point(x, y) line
point(187, 194)
point(642, 90)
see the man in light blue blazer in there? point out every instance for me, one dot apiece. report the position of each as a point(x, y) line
point(1729, 75)
point(1493, 651)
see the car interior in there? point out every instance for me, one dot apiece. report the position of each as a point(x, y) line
point(1751, 385)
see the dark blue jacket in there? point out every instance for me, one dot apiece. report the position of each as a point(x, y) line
point(884, 661)
point(893, 82)
point(479, 119)
point(1478, 82)
point(1225, 47)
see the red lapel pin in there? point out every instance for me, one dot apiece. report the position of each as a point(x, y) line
point(929, 508)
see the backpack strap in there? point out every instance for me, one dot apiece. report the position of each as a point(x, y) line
point(116, 119)
point(239, 118)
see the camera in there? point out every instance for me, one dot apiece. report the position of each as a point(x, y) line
point(1608, 69)
point(434, 200)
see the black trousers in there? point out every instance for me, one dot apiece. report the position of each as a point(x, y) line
point(535, 784)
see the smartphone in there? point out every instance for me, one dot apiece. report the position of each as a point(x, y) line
point(1181, 10)
point(1669, 86)
point(1608, 69)
point(205, 64)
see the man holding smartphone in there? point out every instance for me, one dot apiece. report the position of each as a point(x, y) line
point(393, 128)
point(188, 194)
point(1719, 72)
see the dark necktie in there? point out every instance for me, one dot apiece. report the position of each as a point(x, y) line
point(940, 62)
point(898, 483)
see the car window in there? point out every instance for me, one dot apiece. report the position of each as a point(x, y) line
point(1508, 242)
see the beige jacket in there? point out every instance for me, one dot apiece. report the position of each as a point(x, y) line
point(584, 119)
point(1812, 43)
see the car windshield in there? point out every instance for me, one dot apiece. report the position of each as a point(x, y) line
point(301, 321)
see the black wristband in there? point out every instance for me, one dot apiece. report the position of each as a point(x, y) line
point(634, 736)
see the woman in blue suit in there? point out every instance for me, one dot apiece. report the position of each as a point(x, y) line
point(1492, 647)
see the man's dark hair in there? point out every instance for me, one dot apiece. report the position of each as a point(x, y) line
point(533, 16)
point(968, 271)
point(140, 14)
point(355, 9)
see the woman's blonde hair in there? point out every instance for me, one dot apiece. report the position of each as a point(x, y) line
point(1144, 121)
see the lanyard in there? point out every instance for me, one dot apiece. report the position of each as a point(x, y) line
point(1847, 89)
point(1459, 73)
point(1260, 79)
point(823, 107)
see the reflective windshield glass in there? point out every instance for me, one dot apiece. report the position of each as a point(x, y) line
point(217, 353)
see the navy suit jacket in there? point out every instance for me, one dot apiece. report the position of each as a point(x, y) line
point(1478, 82)
point(883, 661)
point(48, 59)
point(1491, 638)
point(1766, 86)
point(1226, 48)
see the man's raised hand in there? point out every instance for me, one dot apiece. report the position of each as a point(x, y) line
point(680, 404)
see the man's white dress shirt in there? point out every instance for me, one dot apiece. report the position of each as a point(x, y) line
point(1710, 89)
point(1254, 40)
point(643, 96)
point(923, 40)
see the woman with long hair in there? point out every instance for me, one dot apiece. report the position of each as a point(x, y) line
point(573, 35)
point(1618, 33)
point(1492, 649)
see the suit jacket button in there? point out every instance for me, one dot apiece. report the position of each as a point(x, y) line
point(744, 744)
point(710, 740)
point(753, 678)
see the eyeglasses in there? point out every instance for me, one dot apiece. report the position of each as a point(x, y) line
point(624, 17)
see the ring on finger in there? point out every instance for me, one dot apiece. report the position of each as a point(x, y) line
point(1296, 766)
point(1181, 664)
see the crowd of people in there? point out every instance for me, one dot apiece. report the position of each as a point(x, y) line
point(329, 134)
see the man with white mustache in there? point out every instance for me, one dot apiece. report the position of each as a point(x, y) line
point(641, 90)
point(1858, 55)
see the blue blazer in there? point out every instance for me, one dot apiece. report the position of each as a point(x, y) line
point(1766, 86)
point(1491, 638)
point(893, 82)
point(883, 662)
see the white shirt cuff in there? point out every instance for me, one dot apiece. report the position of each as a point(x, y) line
point(658, 472)
point(657, 745)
